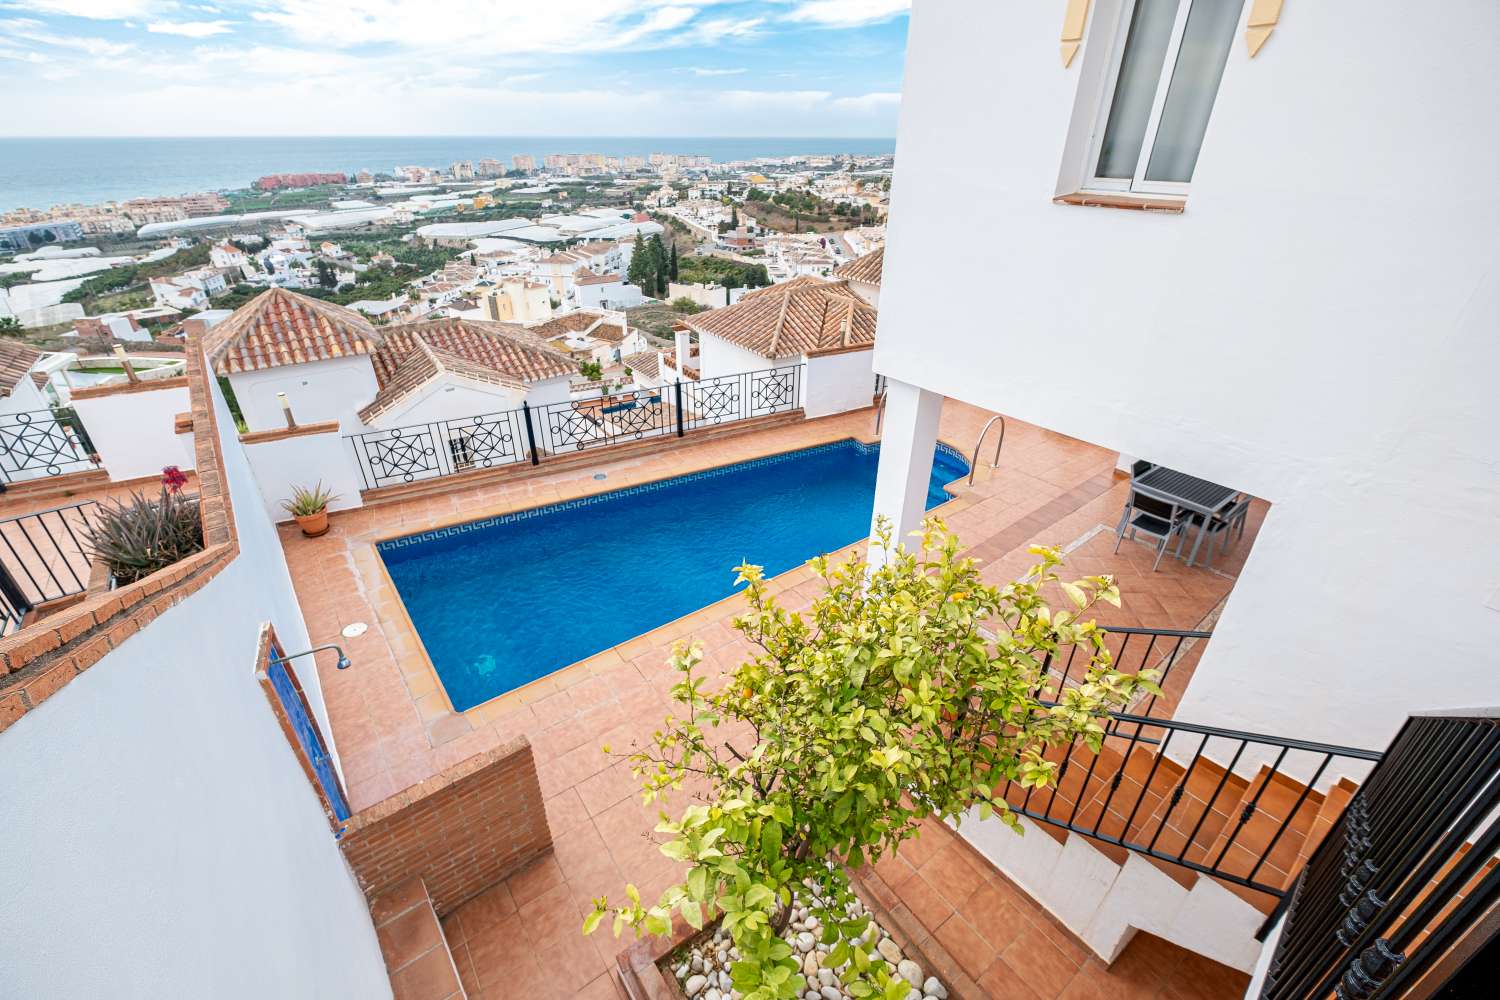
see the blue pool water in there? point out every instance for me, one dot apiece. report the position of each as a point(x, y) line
point(503, 601)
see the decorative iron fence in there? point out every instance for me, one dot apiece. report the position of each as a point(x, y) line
point(1405, 874)
point(42, 558)
point(1132, 650)
point(38, 443)
point(533, 433)
point(1160, 787)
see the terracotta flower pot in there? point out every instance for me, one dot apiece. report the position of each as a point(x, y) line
point(313, 525)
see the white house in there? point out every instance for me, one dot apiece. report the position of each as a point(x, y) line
point(227, 255)
point(863, 275)
point(604, 291)
point(333, 364)
point(1243, 248)
point(19, 392)
point(819, 324)
point(178, 293)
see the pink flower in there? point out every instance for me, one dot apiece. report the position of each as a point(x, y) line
point(173, 479)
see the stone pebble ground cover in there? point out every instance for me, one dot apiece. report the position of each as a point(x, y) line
point(702, 969)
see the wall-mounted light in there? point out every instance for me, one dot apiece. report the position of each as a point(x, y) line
point(343, 661)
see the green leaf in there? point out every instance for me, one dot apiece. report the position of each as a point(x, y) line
point(692, 913)
point(592, 920)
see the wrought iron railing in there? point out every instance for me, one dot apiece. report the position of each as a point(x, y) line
point(37, 443)
point(42, 558)
point(1405, 873)
point(1170, 790)
point(1132, 650)
point(533, 433)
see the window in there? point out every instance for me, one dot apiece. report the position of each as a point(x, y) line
point(1165, 75)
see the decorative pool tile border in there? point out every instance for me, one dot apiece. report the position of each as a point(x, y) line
point(437, 534)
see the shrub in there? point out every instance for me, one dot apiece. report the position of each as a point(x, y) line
point(135, 538)
point(305, 502)
point(909, 690)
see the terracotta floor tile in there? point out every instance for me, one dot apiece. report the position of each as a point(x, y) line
point(430, 977)
point(1040, 963)
point(411, 934)
point(926, 903)
point(1001, 982)
point(972, 952)
point(535, 879)
point(484, 911)
point(990, 912)
point(950, 873)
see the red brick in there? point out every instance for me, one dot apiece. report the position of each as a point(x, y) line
point(11, 709)
point(42, 687)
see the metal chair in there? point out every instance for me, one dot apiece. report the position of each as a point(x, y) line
point(1155, 518)
point(1231, 519)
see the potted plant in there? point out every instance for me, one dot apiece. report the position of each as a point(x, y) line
point(310, 509)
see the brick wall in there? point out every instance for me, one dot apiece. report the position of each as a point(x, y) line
point(461, 831)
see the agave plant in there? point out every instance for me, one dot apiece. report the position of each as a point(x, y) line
point(135, 538)
point(305, 502)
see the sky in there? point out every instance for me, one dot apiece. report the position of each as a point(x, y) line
point(451, 67)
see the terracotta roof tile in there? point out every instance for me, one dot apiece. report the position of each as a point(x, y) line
point(646, 363)
point(423, 366)
point(803, 316)
point(508, 350)
point(279, 327)
point(864, 269)
point(16, 360)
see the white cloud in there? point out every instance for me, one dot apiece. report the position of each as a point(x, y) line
point(190, 29)
point(847, 13)
point(99, 10)
point(26, 30)
point(712, 71)
point(869, 103)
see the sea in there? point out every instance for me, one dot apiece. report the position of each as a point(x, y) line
point(39, 173)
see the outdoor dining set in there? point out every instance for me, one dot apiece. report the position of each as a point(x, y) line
point(1167, 505)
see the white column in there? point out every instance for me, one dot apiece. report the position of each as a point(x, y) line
point(907, 444)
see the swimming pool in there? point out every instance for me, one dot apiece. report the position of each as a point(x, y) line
point(502, 601)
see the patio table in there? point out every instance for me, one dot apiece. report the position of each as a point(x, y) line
point(1188, 492)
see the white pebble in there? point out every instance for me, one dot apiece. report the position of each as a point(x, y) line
point(694, 985)
point(909, 971)
point(889, 950)
point(805, 942)
point(829, 993)
point(826, 977)
point(933, 988)
point(810, 964)
point(713, 994)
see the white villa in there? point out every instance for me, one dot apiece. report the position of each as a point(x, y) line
point(1236, 355)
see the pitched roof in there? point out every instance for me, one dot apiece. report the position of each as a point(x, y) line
point(803, 316)
point(647, 363)
point(421, 368)
point(586, 277)
point(16, 360)
point(864, 269)
point(573, 322)
point(279, 327)
point(503, 348)
point(611, 333)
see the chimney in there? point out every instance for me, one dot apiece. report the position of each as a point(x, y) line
point(684, 343)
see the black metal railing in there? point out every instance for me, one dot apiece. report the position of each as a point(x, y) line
point(1192, 795)
point(533, 433)
point(1407, 871)
point(37, 443)
point(42, 558)
point(1132, 650)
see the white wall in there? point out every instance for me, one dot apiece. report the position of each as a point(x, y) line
point(318, 391)
point(133, 431)
point(305, 460)
point(452, 399)
point(1317, 328)
point(835, 383)
point(717, 356)
point(172, 845)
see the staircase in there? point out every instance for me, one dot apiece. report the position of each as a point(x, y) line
point(1189, 832)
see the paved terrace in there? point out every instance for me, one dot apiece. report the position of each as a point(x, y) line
point(393, 725)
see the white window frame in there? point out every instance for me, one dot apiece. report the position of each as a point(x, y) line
point(1137, 184)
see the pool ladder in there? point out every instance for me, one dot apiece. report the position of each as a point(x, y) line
point(995, 462)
